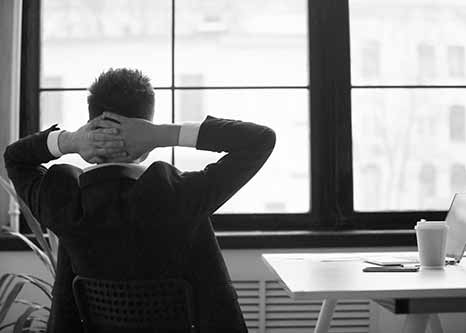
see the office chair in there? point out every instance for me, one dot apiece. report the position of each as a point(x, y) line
point(135, 306)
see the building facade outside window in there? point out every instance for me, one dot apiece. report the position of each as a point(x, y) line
point(456, 61)
point(371, 59)
point(457, 178)
point(428, 180)
point(457, 118)
point(423, 118)
point(426, 61)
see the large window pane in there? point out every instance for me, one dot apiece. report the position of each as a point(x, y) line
point(282, 185)
point(68, 109)
point(83, 38)
point(408, 148)
point(241, 42)
point(407, 41)
point(220, 42)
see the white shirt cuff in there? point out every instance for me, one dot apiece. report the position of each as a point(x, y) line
point(52, 143)
point(188, 134)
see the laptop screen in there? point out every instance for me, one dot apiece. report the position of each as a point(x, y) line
point(456, 221)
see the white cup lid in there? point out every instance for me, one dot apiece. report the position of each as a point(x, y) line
point(431, 225)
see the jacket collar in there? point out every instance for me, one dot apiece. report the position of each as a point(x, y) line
point(106, 172)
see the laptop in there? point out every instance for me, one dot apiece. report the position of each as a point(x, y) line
point(456, 239)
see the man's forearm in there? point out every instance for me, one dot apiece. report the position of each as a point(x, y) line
point(170, 135)
point(31, 150)
point(223, 135)
point(166, 135)
point(23, 160)
point(65, 143)
point(141, 136)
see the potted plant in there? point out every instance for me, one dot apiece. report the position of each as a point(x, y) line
point(34, 317)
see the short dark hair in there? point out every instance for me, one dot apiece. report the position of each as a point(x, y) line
point(123, 91)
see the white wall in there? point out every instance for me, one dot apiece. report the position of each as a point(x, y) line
point(10, 32)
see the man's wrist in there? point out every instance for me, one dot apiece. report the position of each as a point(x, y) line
point(52, 143)
point(188, 134)
point(65, 143)
point(166, 135)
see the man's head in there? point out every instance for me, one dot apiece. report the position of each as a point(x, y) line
point(123, 91)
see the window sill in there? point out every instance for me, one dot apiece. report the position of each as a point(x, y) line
point(315, 239)
point(285, 239)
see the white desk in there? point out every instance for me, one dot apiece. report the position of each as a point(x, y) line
point(333, 276)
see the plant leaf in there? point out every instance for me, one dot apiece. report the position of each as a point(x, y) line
point(28, 325)
point(30, 303)
point(10, 299)
point(5, 283)
point(3, 280)
point(33, 280)
point(44, 286)
point(53, 241)
point(42, 256)
point(48, 284)
point(37, 330)
point(6, 325)
point(40, 320)
point(31, 221)
point(21, 322)
point(36, 324)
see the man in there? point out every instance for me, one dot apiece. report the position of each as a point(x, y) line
point(118, 221)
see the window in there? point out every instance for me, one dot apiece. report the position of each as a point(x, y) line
point(372, 69)
point(370, 59)
point(427, 181)
point(426, 61)
point(427, 186)
point(457, 178)
point(221, 58)
point(413, 126)
point(52, 106)
point(371, 179)
point(191, 102)
point(457, 123)
point(456, 61)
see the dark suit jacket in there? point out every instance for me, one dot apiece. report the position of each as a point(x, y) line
point(123, 223)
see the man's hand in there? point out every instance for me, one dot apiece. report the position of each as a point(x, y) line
point(138, 134)
point(98, 141)
point(142, 136)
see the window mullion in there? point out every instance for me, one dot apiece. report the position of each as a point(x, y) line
point(331, 153)
point(172, 88)
point(30, 68)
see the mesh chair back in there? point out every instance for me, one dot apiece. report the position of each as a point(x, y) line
point(158, 305)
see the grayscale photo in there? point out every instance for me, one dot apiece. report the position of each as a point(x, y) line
point(232, 166)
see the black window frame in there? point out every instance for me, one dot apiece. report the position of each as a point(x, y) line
point(331, 171)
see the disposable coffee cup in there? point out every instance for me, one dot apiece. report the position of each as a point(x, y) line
point(431, 243)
